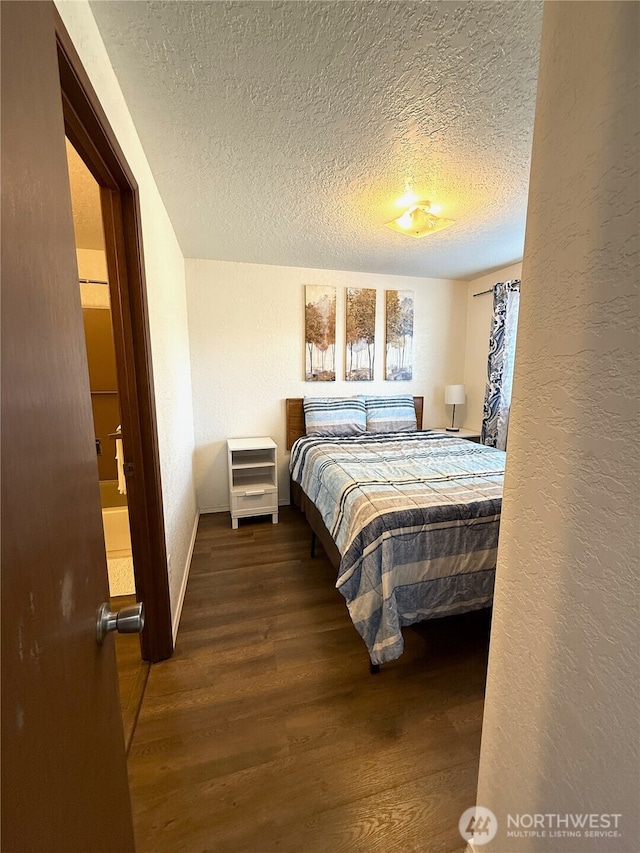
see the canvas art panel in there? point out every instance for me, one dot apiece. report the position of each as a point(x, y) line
point(360, 323)
point(320, 333)
point(399, 307)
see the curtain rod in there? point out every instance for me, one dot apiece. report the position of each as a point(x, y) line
point(91, 281)
point(514, 285)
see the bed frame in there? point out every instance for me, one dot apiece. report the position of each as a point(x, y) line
point(296, 429)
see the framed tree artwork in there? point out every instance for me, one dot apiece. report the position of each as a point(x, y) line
point(360, 322)
point(320, 333)
point(399, 306)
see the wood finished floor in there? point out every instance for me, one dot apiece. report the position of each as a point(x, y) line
point(132, 672)
point(266, 732)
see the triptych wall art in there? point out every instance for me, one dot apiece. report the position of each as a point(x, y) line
point(399, 334)
point(360, 332)
point(320, 333)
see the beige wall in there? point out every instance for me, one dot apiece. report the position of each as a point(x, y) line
point(560, 729)
point(479, 313)
point(164, 267)
point(246, 330)
point(92, 266)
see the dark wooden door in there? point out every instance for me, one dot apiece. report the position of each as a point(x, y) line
point(64, 777)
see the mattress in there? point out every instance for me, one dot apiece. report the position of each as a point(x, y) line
point(415, 519)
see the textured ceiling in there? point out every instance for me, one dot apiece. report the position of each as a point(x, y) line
point(283, 132)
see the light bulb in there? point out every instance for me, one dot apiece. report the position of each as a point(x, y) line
point(407, 199)
point(406, 220)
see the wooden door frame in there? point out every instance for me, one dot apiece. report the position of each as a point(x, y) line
point(89, 131)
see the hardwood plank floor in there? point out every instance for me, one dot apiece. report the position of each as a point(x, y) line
point(132, 672)
point(266, 732)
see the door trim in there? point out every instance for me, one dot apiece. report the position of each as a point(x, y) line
point(89, 131)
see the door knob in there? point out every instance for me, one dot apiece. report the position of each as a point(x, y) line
point(129, 620)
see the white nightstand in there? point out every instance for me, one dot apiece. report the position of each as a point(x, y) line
point(253, 478)
point(469, 434)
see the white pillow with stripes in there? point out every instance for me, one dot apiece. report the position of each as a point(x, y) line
point(334, 415)
point(391, 414)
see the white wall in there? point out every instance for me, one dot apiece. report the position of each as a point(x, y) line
point(164, 267)
point(246, 330)
point(479, 314)
point(560, 732)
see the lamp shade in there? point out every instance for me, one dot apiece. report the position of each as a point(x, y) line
point(454, 395)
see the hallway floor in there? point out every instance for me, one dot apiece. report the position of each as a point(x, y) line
point(266, 732)
point(132, 672)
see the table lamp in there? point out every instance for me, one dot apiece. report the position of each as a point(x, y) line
point(454, 396)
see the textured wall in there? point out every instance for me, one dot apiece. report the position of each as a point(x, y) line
point(246, 330)
point(560, 732)
point(85, 203)
point(92, 265)
point(164, 266)
point(479, 314)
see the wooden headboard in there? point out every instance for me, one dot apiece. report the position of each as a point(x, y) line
point(295, 417)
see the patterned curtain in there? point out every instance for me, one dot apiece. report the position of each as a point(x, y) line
point(502, 349)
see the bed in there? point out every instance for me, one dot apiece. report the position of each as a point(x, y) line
point(410, 521)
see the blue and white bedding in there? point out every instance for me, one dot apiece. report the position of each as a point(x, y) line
point(415, 518)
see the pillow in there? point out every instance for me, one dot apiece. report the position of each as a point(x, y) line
point(391, 414)
point(334, 415)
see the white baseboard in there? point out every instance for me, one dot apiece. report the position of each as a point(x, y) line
point(185, 579)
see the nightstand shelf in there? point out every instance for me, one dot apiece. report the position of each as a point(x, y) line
point(469, 434)
point(253, 478)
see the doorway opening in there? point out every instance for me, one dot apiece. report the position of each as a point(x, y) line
point(103, 378)
point(95, 145)
point(107, 421)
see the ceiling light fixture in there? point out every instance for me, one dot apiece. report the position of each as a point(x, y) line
point(418, 221)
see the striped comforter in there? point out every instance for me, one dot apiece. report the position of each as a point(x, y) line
point(415, 518)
